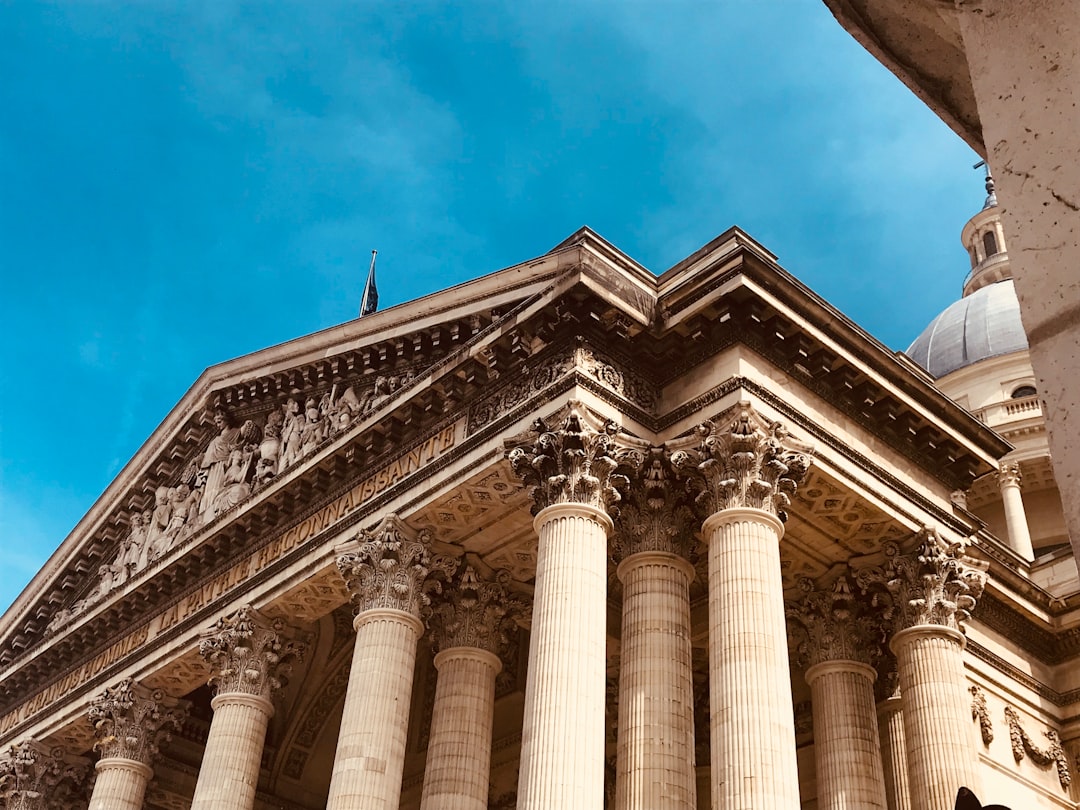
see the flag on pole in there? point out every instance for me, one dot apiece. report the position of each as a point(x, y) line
point(370, 300)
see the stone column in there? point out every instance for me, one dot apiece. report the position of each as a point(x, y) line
point(933, 589)
point(890, 712)
point(130, 722)
point(837, 640)
point(389, 571)
point(469, 628)
point(249, 653)
point(1009, 480)
point(34, 776)
point(570, 472)
point(654, 765)
point(744, 474)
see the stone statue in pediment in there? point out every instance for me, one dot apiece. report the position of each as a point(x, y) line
point(215, 458)
point(293, 420)
point(313, 429)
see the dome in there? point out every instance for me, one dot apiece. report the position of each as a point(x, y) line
point(981, 325)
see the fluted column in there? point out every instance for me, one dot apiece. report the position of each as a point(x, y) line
point(837, 639)
point(933, 589)
point(744, 473)
point(469, 627)
point(36, 777)
point(130, 722)
point(570, 473)
point(389, 571)
point(654, 765)
point(249, 653)
point(894, 751)
point(1009, 479)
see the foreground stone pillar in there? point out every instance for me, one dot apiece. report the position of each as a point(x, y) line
point(469, 628)
point(130, 722)
point(36, 777)
point(933, 589)
point(389, 571)
point(570, 472)
point(894, 751)
point(654, 765)
point(249, 653)
point(1015, 516)
point(744, 474)
point(838, 639)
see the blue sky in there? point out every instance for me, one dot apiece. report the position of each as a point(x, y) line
point(183, 183)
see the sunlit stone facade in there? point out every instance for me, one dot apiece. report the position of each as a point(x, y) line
point(569, 536)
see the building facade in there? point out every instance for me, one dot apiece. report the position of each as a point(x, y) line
point(571, 535)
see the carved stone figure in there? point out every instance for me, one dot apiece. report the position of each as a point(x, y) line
point(313, 430)
point(159, 522)
point(290, 434)
point(234, 484)
point(215, 458)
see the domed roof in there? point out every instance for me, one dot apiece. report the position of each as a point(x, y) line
point(981, 325)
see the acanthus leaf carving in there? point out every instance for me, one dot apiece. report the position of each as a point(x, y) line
point(1022, 744)
point(131, 721)
point(392, 567)
point(576, 462)
point(250, 653)
point(750, 463)
point(934, 584)
point(655, 514)
point(34, 776)
point(834, 624)
point(474, 612)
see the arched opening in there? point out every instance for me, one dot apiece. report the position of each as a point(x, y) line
point(990, 243)
point(1024, 391)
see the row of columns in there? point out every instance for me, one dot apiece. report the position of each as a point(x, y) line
point(741, 476)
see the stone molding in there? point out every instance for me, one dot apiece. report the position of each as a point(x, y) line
point(751, 463)
point(391, 567)
point(655, 514)
point(575, 462)
point(834, 624)
point(250, 653)
point(475, 612)
point(131, 721)
point(34, 776)
point(933, 584)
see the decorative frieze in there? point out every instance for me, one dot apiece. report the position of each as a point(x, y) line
point(250, 653)
point(392, 567)
point(980, 712)
point(834, 624)
point(933, 584)
point(131, 721)
point(655, 515)
point(474, 612)
point(1022, 745)
point(575, 462)
point(747, 463)
point(34, 776)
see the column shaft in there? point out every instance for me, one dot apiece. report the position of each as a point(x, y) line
point(753, 720)
point(937, 725)
point(562, 741)
point(894, 753)
point(370, 754)
point(120, 785)
point(655, 752)
point(459, 747)
point(229, 773)
point(847, 751)
point(1016, 520)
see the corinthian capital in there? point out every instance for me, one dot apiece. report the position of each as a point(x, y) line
point(748, 462)
point(250, 653)
point(1009, 475)
point(36, 777)
point(131, 721)
point(933, 584)
point(834, 624)
point(391, 566)
point(573, 463)
point(655, 515)
point(473, 612)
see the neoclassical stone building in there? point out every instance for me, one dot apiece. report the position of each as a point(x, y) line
point(568, 536)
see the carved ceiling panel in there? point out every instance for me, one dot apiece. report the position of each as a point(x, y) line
point(311, 599)
point(182, 675)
